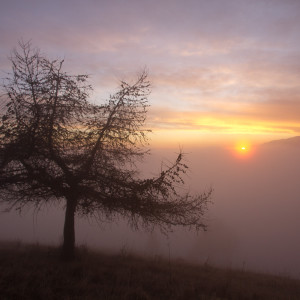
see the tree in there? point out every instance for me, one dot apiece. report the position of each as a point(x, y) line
point(58, 146)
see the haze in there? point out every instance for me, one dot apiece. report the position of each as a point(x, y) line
point(225, 74)
point(253, 221)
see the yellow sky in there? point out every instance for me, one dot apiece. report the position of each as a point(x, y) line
point(192, 128)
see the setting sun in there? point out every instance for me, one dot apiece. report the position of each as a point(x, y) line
point(242, 149)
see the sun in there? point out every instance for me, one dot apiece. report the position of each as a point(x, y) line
point(242, 149)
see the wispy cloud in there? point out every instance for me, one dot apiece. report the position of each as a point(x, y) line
point(215, 65)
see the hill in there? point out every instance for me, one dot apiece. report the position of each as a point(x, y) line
point(36, 272)
point(294, 141)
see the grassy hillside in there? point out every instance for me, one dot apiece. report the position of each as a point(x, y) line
point(36, 272)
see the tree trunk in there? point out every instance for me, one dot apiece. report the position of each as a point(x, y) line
point(68, 249)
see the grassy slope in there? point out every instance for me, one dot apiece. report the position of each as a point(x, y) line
point(36, 272)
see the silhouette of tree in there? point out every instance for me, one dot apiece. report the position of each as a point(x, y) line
point(58, 146)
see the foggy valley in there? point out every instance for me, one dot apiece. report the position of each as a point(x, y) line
point(252, 223)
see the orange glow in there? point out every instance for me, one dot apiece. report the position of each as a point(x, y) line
point(243, 149)
point(187, 138)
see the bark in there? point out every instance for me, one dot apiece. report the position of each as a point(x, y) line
point(68, 249)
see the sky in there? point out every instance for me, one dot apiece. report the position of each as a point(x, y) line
point(221, 70)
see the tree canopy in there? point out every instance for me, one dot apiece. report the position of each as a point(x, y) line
point(56, 145)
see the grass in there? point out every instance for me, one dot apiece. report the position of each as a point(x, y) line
point(36, 272)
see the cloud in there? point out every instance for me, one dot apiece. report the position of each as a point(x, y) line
point(214, 65)
point(267, 118)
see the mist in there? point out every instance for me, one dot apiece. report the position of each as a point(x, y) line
point(252, 223)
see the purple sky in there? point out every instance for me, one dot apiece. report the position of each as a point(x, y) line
point(221, 69)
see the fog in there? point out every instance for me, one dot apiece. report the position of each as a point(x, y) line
point(253, 220)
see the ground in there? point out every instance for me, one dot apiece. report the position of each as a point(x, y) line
point(37, 272)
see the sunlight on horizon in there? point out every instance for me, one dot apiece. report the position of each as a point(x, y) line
point(172, 138)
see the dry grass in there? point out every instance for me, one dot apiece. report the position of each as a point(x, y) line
point(36, 272)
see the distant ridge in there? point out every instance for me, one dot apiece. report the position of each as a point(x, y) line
point(294, 142)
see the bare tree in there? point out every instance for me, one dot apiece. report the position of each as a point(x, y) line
point(57, 146)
